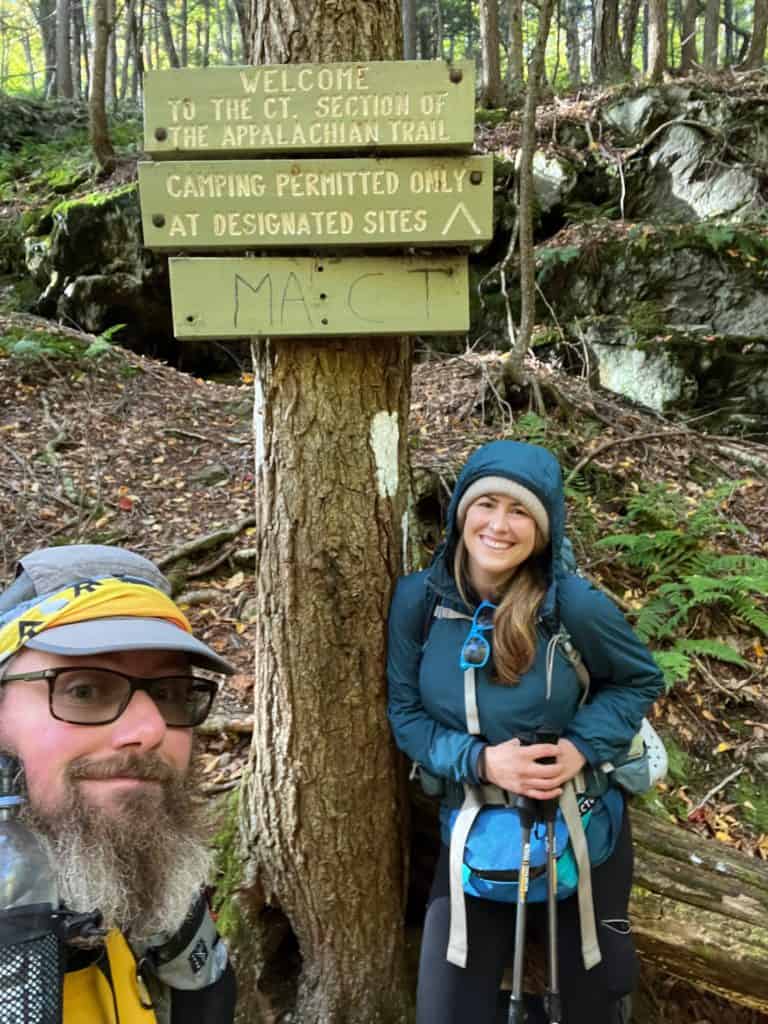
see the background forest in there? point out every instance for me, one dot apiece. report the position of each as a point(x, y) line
point(47, 47)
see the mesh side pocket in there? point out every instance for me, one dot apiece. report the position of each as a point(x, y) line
point(30, 981)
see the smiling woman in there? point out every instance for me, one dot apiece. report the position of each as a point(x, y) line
point(491, 706)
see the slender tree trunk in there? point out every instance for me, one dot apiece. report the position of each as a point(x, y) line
point(206, 55)
point(728, 11)
point(111, 88)
point(573, 42)
point(165, 25)
point(130, 44)
point(630, 16)
point(64, 86)
point(137, 71)
point(607, 61)
point(322, 799)
point(755, 57)
point(657, 39)
point(515, 71)
point(242, 10)
point(526, 195)
point(27, 43)
point(711, 33)
point(97, 111)
point(491, 88)
point(78, 23)
point(410, 29)
point(184, 34)
point(689, 57)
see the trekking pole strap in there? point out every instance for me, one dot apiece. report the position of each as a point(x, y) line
point(590, 947)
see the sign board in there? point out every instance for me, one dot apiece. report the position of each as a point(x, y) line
point(292, 108)
point(313, 296)
point(257, 204)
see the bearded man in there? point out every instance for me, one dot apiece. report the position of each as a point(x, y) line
point(98, 702)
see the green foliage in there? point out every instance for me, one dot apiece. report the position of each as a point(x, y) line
point(36, 348)
point(550, 256)
point(686, 576)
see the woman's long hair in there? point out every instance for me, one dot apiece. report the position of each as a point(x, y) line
point(514, 623)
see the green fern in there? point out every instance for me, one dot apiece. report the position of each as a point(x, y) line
point(676, 551)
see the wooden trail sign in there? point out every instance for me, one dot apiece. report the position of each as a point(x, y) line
point(308, 297)
point(291, 108)
point(250, 204)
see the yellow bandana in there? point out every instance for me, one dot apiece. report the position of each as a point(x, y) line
point(89, 599)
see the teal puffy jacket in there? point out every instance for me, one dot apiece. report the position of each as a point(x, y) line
point(426, 686)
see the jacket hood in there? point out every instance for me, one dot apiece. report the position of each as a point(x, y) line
point(531, 466)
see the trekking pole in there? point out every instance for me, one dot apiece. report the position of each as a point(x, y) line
point(547, 813)
point(527, 811)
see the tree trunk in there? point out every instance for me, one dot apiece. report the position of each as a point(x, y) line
point(689, 57)
point(165, 25)
point(657, 39)
point(607, 62)
point(630, 16)
point(97, 112)
point(573, 42)
point(755, 57)
point(322, 806)
point(63, 50)
point(30, 61)
point(711, 31)
point(206, 54)
point(491, 89)
point(728, 26)
point(78, 25)
point(300, 31)
point(515, 71)
point(410, 29)
point(184, 34)
point(242, 10)
point(515, 373)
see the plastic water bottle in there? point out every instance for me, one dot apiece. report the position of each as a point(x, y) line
point(25, 871)
point(30, 976)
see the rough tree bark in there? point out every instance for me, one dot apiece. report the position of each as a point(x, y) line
point(607, 61)
point(689, 57)
point(322, 802)
point(165, 25)
point(97, 114)
point(515, 69)
point(410, 29)
point(630, 15)
point(491, 89)
point(64, 87)
point(657, 39)
point(573, 42)
point(755, 57)
point(514, 371)
point(711, 32)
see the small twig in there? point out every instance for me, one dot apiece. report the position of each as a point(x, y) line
point(208, 540)
point(715, 789)
point(652, 435)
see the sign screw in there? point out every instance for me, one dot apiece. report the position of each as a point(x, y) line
point(161, 134)
point(456, 75)
point(158, 220)
point(476, 177)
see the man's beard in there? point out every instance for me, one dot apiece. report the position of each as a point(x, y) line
point(142, 863)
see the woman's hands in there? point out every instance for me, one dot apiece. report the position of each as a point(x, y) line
point(514, 767)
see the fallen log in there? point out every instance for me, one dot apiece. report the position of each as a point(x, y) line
point(699, 909)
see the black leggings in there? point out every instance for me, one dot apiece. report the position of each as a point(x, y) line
point(453, 995)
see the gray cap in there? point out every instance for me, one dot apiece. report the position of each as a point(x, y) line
point(51, 569)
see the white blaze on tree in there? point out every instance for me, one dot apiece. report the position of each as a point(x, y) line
point(385, 437)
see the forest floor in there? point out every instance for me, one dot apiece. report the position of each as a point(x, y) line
point(117, 448)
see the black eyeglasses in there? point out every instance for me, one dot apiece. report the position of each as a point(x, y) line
point(98, 696)
point(476, 649)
